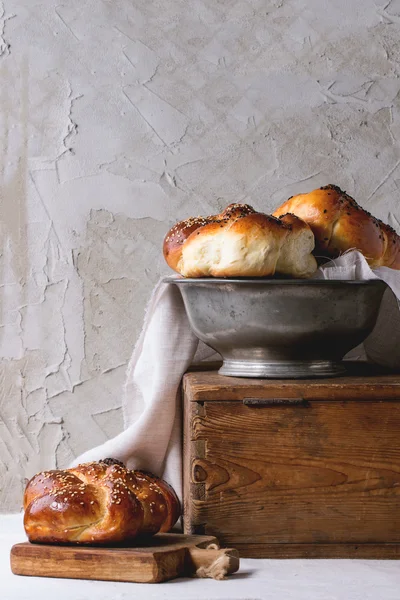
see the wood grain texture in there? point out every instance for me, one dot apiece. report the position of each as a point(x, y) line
point(361, 551)
point(321, 477)
point(367, 383)
point(167, 557)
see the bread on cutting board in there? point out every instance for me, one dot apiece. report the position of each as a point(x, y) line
point(97, 503)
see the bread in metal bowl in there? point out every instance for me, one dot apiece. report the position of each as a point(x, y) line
point(339, 224)
point(241, 242)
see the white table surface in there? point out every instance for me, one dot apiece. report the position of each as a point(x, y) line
point(256, 580)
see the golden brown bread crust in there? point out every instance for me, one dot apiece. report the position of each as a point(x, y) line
point(171, 501)
point(239, 242)
point(179, 233)
point(97, 503)
point(340, 224)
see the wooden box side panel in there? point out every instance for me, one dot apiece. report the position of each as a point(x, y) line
point(193, 450)
point(326, 474)
point(318, 550)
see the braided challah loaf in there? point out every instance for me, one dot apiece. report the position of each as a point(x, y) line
point(241, 242)
point(340, 224)
point(97, 503)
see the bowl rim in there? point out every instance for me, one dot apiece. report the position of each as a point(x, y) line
point(268, 282)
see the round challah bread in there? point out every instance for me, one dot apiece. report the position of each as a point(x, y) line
point(340, 224)
point(241, 242)
point(97, 503)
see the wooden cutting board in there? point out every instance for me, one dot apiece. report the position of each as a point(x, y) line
point(168, 556)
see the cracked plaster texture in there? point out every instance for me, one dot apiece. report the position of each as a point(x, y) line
point(118, 118)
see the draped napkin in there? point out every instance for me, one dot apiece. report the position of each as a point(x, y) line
point(167, 347)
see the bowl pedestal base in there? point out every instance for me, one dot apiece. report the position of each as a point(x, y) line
point(291, 369)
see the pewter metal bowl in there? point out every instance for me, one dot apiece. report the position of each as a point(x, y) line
point(275, 328)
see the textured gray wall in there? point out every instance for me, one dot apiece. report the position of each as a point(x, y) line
point(118, 118)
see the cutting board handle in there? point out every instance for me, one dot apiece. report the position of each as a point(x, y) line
point(213, 562)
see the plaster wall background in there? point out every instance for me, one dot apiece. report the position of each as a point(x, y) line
point(118, 118)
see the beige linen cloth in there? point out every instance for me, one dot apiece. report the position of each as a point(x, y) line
point(166, 348)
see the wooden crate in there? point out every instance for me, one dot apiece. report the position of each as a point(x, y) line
point(294, 468)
